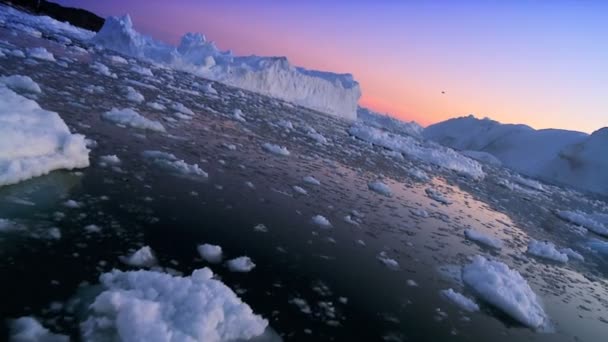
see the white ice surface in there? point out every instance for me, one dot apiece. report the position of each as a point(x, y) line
point(129, 117)
point(34, 141)
point(20, 83)
point(483, 239)
point(240, 264)
point(460, 300)
point(547, 250)
point(210, 253)
point(28, 329)
point(335, 94)
point(506, 289)
point(158, 307)
point(170, 162)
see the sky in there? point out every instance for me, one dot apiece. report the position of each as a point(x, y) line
point(541, 63)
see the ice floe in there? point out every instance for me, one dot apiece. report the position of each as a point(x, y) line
point(210, 253)
point(506, 289)
point(460, 300)
point(483, 239)
point(129, 117)
point(143, 257)
point(240, 264)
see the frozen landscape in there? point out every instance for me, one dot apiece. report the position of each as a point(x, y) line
point(159, 193)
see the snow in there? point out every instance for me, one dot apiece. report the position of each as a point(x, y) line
point(506, 289)
point(143, 257)
point(117, 59)
point(460, 300)
point(134, 95)
point(437, 196)
point(239, 116)
point(559, 156)
point(483, 157)
point(210, 253)
point(582, 219)
point(171, 163)
point(387, 261)
point(156, 105)
point(28, 329)
point(111, 159)
point(41, 53)
point(311, 180)
point(380, 188)
point(321, 221)
point(153, 306)
point(129, 117)
point(142, 70)
point(19, 82)
point(547, 250)
point(334, 94)
point(419, 150)
point(572, 254)
point(182, 109)
point(300, 190)
point(240, 264)
point(275, 149)
point(483, 239)
point(34, 141)
point(103, 69)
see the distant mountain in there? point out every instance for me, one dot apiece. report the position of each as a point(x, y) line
point(561, 156)
point(75, 16)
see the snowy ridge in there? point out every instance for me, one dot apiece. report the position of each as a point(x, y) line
point(34, 141)
point(335, 94)
point(567, 157)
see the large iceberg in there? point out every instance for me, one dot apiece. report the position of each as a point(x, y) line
point(335, 94)
point(34, 141)
point(568, 157)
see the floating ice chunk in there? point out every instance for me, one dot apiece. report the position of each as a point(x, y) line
point(182, 109)
point(285, 124)
point(156, 105)
point(261, 228)
point(320, 139)
point(103, 69)
point(110, 159)
point(41, 53)
point(302, 305)
point(459, 299)
point(19, 82)
point(240, 264)
point(387, 261)
point(349, 219)
point(142, 70)
point(380, 188)
point(134, 95)
point(419, 212)
point(598, 246)
point(547, 250)
point(321, 221)
point(72, 204)
point(506, 289)
point(28, 329)
point(276, 149)
point(92, 228)
point(117, 59)
point(582, 219)
point(311, 180)
point(143, 257)
point(8, 225)
point(17, 53)
point(437, 196)
point(208, 89)
point(34, 141)
point(129, 117)
point(572, 254)
point(483, 239)
point(411, 283)
point(238, 115)
point(152, 306)
point(210, 253)
point(300, 190)
point(170, 162)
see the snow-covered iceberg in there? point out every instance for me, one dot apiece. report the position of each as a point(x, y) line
point(335, 94)
point(154, 306)
point(34, 141)
point(389, 123)
point(566, 157)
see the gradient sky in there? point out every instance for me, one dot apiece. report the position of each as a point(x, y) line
point(542, 63)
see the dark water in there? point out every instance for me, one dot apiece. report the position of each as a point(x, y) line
point(141, 204)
